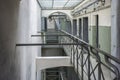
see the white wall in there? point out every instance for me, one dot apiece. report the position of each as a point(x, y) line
point(29, 23)
point(104, 15)
point(18, 21)
point(47, 13)
point(50, 24)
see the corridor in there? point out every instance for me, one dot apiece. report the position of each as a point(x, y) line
point(59, 40)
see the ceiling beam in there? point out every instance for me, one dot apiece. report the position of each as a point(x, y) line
point(79, 3)
point(57, 8)
point(66, 3)
point(39, 3)
point(52, 3)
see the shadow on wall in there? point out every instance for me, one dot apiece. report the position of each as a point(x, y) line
point(16, 25)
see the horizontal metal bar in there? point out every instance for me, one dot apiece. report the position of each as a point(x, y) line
point(40, 44)
point(47, 35)
point(81, 43)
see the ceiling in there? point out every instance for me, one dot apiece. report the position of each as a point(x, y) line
point(59, 4)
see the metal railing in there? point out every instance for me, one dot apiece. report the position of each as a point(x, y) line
point(90, 63)
point(94, 63)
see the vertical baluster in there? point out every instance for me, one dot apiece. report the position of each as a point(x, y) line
point(73, 54)
point(77, 60)
point(82, 75)
point(99, 67)
point(88, 64)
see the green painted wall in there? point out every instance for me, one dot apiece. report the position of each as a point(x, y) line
point(63, 24)
point(104, 37)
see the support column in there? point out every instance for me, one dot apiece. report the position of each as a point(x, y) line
point(115, 29)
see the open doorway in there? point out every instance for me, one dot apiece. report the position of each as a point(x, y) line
point(85, 29)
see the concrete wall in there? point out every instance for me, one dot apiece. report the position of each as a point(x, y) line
point(8, 25)
point(18, 20)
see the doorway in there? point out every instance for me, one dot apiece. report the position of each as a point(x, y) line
point(80, 28)
point(44, 23)
point(74, 27)
point(68, 26)
point(85, 29)
point(97, 30)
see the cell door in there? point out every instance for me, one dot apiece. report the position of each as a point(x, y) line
point(74, 27)
point(97, 30)
point(44, 24)
point(85, 29)
point(80, 28)
point(68, 26)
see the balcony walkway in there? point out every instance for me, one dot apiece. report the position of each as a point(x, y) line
point(51, 62)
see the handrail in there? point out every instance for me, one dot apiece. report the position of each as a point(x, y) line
point(74, 45)
point(107, 57)
point(85, 43)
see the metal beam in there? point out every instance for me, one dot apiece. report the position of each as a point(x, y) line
point(41, 44)
point(52, 3)
point(39, 3)
point(47, 35)
point(70, 8)
point(86, 7)
point(66, 3)
point(78, 3)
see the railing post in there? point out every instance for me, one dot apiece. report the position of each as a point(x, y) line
point(77, 58)
point(72, 50)
point(77, 61)
point(82, 75)
point(99, 62)
point(99, 67)
point(73, 53)
point(88, 63)
point(73, 56)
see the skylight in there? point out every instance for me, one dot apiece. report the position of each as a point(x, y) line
point(59, 4)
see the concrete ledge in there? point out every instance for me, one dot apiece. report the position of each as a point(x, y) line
point(51, 62)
